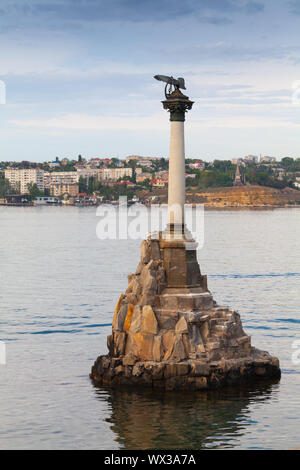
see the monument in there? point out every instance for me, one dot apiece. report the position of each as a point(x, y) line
point(237, 179)
point(167, 330)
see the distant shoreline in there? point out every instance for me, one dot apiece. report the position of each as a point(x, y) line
point(206, 207)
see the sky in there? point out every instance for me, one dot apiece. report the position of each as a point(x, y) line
point(78, 76)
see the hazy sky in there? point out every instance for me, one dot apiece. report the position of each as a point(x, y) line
point(79, 77)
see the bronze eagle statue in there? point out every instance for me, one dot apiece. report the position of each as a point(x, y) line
point(171, 82)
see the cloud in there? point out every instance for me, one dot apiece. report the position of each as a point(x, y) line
point(232, 51)
point(80, 122)
point(87, 123)
point(210, 11)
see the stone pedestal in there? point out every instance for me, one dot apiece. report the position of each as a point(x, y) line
point(168, 332)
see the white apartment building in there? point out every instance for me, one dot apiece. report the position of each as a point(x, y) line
point(143, 161)
point(59, 177)
point(87, 173)
point(20, 179)
point(114, 174)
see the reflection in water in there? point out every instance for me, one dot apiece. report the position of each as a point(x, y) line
point(163, 420)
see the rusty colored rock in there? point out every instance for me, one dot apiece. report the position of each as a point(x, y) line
point(128, 317)
point(117, 309)
point(142, 346)
point(136, 320)
point(149, 322)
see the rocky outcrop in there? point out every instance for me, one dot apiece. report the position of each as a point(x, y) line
point(245, 196)
point(168, 332)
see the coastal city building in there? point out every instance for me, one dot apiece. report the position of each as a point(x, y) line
point(159, 183)
point(267, 159)
point(198, 165)
point(54, 164)
point(251, 159)
point(59, 177)
point(87, 173)
point(21, 179)
point(114, 174)
point(143, 177)
point(237, 161)
point(146, 162)
point(62, 189)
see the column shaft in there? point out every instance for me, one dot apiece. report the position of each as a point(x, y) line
point(176, 196)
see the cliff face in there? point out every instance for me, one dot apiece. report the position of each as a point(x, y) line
point(245, 196)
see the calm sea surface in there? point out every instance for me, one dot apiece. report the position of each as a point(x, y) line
point(58, 288)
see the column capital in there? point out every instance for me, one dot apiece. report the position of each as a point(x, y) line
point(177, 104)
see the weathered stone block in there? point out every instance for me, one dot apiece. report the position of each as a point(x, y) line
point(149, 322)
point(119, 319)
point(168, 340)
point(139, 268)
point(145, 252)
point(119, 343)
point(136, 320)
point(243, 339)
point(169, 302)
point(167, 319)
point(138, 369)
point(110, 344)
point(158, 371)
point(178, 353)
point(142, 346)
point(212, 346)
point(157, 349)
point(185, 303)
point(199, 369)
point(181, 326)
point(131, 298)
point(170, 371)
point(182, 368)
point(155, 250)
point(204, 331)
point(129, 359)
point(118, 370)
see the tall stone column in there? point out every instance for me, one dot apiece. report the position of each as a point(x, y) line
point(177, 104)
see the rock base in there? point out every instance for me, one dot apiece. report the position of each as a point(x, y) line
point(186, 375)
point(169, 333)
